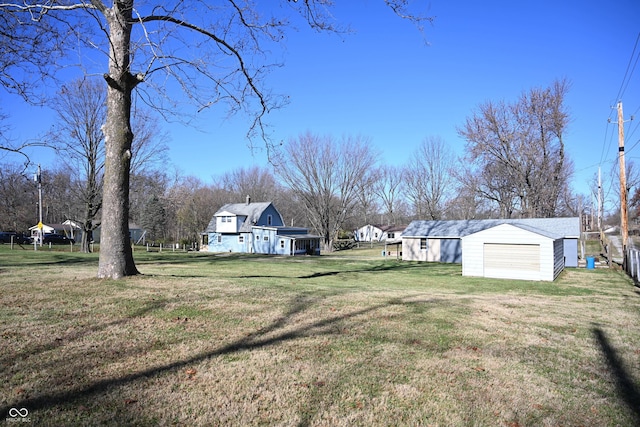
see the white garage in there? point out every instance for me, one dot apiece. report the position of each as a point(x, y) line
point(513, 251)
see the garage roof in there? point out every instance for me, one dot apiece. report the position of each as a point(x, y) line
point(550, 227)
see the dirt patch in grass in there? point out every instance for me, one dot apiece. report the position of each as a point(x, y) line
point(206, 341)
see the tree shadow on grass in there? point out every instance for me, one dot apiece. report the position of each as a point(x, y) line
point(77, 335)
point(378, 268)
point(273, 334)
point(51, 258)
point(628, 391)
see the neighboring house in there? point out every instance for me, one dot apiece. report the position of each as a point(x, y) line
point(68, 228)
point(441, 241)
point(256, 228)
point(378, 233)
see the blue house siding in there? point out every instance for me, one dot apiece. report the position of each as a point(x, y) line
point(451, 250)
point(570, 252)
point(256, 228)
point(264, 240)
point(270, 217)
point(229, 242)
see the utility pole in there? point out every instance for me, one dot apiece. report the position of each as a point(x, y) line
point(38, 179)
point(624, 225)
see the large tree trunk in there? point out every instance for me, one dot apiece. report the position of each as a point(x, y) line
point(116, 256)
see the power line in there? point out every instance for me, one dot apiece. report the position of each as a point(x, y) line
point(605, 147)
point(623, 86)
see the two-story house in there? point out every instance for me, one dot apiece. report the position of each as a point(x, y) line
point(252, 227)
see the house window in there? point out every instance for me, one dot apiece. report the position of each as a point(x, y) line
point(240, 239)
point(282, 244)
point(266, 238)
point(423, 244)
point(269, 219)
point(361, 234)
point(219, 238)
point(376, 235)
point(391, 235)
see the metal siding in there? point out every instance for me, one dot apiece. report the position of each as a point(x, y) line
point(472, 257)
point(411, 250)
point(512, 261)
point(433, 250)
point(451, 250)
point(559, 257)
point(570, 252)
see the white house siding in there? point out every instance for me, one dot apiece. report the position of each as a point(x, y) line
point(368, 233)
point(549, 263)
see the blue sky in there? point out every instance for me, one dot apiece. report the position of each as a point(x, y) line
point(385, 83)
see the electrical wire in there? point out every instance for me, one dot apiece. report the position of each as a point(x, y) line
point(623, 86)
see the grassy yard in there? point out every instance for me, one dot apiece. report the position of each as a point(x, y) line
point(354, 339)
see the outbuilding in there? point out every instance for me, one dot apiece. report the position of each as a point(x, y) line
point(440, 240)
point(513, 251)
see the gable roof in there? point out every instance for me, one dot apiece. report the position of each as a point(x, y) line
point(385, 228)
point(564, 227)
point(526, 227)
point(251, 211)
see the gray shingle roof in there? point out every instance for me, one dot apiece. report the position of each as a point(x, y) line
point(252, 211)
point(559, 227)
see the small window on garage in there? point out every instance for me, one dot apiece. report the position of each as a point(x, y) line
point(423, 244)
point(266, 238)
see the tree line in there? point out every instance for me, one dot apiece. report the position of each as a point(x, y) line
point(514, 166)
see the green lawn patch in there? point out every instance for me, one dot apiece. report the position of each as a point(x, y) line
point(354, 339)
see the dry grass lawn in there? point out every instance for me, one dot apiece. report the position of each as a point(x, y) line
point(202, 340)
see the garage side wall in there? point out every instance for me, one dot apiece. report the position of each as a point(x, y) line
point(560, 257)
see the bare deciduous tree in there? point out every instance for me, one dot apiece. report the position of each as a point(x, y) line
point(214, 53)
point(256, 182)
point(388, 186)
point(78, 137)
point(324, 174)
point(18, 199)
point(79, 142)
point(517, 151)
point(428, 178)
point(191, 206)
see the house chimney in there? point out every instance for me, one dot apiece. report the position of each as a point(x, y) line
point(248, 200)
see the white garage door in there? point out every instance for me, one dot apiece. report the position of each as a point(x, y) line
point(510, 261)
